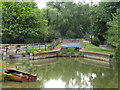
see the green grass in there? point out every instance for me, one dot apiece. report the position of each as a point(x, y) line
point(58, 46)
point(90, 47)
point(39, 47)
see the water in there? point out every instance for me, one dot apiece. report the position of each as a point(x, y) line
point(66, 73)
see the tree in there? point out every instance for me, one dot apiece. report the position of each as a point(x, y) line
point(22, 22)
point(112, 37)
point(70, 19)
point(113, 34)
point(103, 14)
point(52, 35)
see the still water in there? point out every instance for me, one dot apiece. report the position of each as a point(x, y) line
point(65, 73)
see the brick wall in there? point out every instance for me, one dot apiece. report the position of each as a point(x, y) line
point(74, 40)
point(96, 55)
point(71, 40)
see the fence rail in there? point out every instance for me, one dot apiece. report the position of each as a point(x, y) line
point(42, 46)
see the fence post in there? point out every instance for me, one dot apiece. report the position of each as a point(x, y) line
point(45, 47)
point(39, 46)
point(33, 46)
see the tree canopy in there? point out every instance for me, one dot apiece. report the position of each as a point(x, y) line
point(70, 19)
point(22, 22)
point(101, 16)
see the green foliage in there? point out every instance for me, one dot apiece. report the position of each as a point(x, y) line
point(63, 51)
point(69, 51)
point(72, 50)
point(39, 47)
point(28, 52)
point(55, 44)
point(100, 16)
point(23, 54)
point(52, 35)
point(96, 41)
point(78, 53)
point(112, 33)
point(69, 19)
point(22, 22)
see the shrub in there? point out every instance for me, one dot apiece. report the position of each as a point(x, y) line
point(23, 54)
point(78, 53)
point(27, 52)
point(64, 51)
point(72, 50)
point(68, 51)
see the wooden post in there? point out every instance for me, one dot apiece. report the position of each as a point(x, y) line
point(2, 55)
point(6, 50)
point(45, 47)
point(33, 56)
point(33, 46)
point(39, 46)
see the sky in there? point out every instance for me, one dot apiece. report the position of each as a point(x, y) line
point(42, 3)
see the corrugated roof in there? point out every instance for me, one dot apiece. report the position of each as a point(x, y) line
point(70, 45)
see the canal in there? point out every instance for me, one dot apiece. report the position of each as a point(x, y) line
point(65, 73)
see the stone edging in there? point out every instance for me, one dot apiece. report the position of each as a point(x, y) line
point(96, 55)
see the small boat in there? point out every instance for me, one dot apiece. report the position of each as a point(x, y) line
point(19, 76)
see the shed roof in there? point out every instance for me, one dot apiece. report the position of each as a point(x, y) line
point(70, 45)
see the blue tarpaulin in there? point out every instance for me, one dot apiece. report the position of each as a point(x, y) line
point(70, 45)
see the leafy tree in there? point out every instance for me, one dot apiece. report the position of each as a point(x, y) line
point(103, 14)
point(70, 19)
point(22, 22)
point(52, 35)
point(112, 37)
point(113, 34)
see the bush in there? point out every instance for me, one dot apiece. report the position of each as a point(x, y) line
point(68, 51)
point(72, 50)
point(78, 53)
point(27, 52)
point(23, 54)
point(63, 51)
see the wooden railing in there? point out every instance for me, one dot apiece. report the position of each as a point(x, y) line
point(39, 46)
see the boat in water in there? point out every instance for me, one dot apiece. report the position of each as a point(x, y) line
point(19, 76)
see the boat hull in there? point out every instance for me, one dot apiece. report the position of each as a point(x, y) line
point(26, 77)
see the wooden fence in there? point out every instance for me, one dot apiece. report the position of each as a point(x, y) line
point(40, 46)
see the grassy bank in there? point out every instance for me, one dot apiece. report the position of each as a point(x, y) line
point(93, 48)
point(86, 46)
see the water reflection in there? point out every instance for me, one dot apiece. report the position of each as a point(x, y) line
point(68, 73)
point(57, 84)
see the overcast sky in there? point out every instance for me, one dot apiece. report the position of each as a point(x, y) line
point(42, 3)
